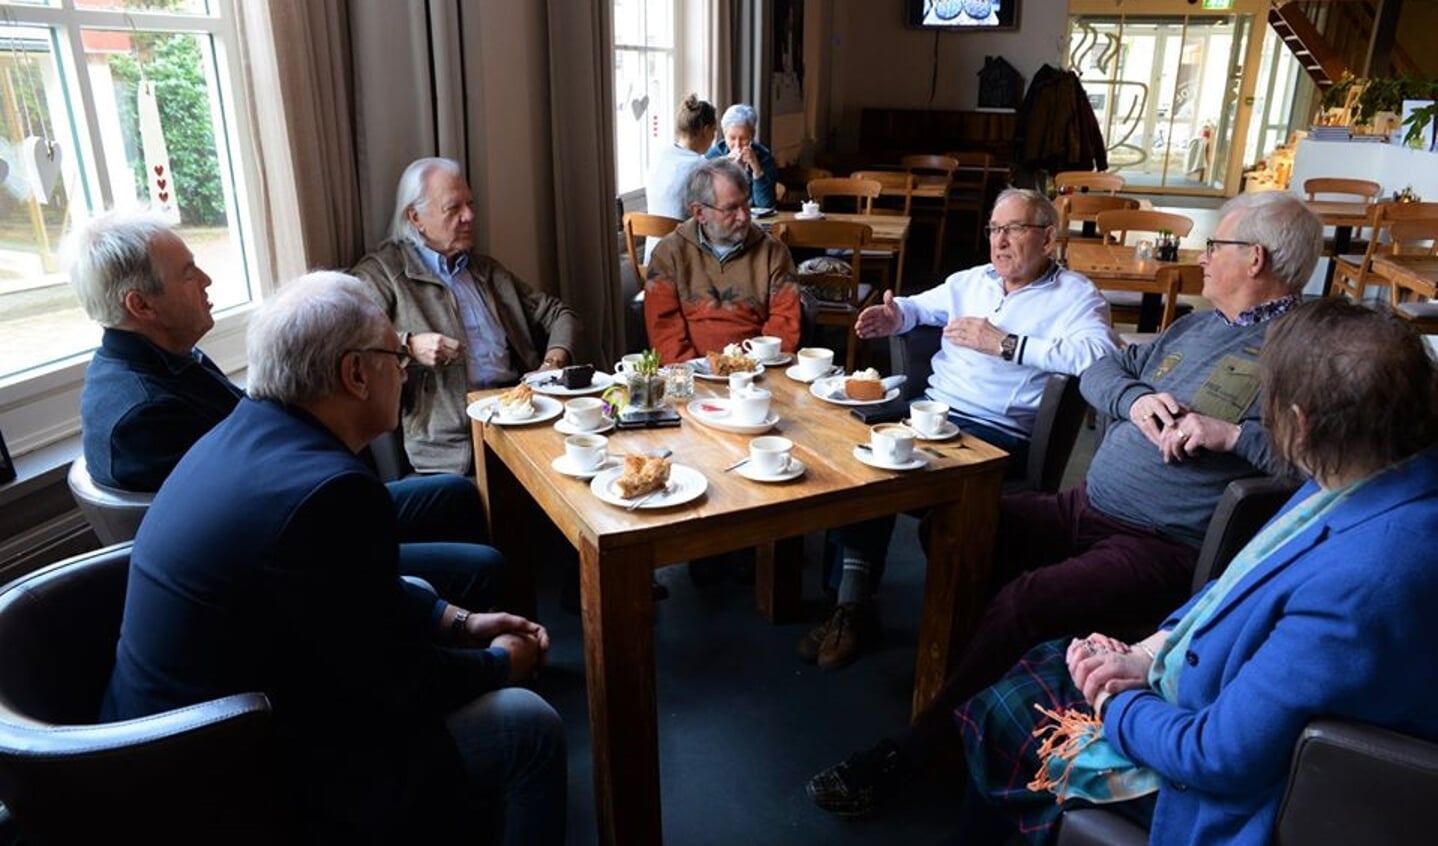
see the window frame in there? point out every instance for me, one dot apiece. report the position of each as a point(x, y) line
point(41, 406)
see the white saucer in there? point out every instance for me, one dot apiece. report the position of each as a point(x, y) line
point(564, 427)
point(561, 463)
point(796, 469)
point(555, 389)
point(831, 389)
point(685, 484)
point(781, 358)
point(701, 370)
point(714, 413)
point(545, 408)
point(949, 430)
point(802, 216)
point(793, 373)
point(867, 457)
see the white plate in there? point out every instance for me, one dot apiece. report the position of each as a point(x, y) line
point(556, 389)
point(796, 469)
point(781, 358)
point(545, 408)
point(564, 427)
point(802, 216)
point(822, 389)
point(949, 430)
point(701, 370)
point(793, 373)
point(561, 463)
point(714, 413)
point(685, 484)
point(760, 211)
point(867, 457)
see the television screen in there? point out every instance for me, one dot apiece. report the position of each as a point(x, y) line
point(963, 15)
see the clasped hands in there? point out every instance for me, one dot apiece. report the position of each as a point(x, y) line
point(1179, 432)
point(1102, 666)
point(526, 641)
point(433, 349)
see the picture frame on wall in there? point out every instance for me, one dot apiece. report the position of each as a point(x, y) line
point(962, 15)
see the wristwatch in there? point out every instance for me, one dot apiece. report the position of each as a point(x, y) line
point(1009, 345)
point(456, 625)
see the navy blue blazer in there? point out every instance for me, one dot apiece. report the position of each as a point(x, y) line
point(1338, 622)
point(143, 407)
point(268, 562)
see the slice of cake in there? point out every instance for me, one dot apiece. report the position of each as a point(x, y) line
point(517, 401)
point(864, 385)
point(642, 474)
point(731, 360)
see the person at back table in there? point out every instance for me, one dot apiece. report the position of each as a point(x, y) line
point(468, 322)
point(664, 186)
point(740, 130)
point(393, 718)
point(718, 278)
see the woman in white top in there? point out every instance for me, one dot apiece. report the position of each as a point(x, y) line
point(694, 128)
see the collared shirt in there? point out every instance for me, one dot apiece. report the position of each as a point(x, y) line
point(1264, 312)
point(486, 350)
point(720, 252)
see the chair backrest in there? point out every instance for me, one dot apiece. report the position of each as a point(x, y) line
point(1414, 237)
point(1060, 414)
point(1382, 217)
point(971, 173)
point(114, 514)
point(825, 235)
point(1362, 189)
point(863, 192)
point(894, 185)
point(1079, 208)
point(640, 225)
point(203, 771)
point(1089, 182)
point(1115, 225)
point(1246, 504)
point(796, 179)
point(1186, 279)
point(930, 164)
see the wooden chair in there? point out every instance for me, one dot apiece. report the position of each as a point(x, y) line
point(896, 190)
point(969, 190)
point(1088, 182)
point(926, 210)
point(1333, 188)
point(1178, 279)
point(861, 192)
point(640, 225)
point(1125, 306)
point(1083, 209)
point(844, 294)
point(1415, 237)
point(1352, 274)
point(796, 181)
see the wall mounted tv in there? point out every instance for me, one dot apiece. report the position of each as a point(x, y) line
point(963, 15)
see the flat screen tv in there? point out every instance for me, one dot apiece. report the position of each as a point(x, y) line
point(963, 15)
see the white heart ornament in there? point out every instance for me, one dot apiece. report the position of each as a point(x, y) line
point(42, 160)
point(639, 106)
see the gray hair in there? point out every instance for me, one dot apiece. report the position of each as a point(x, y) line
point(411, 194)
point(1288, 231)
point(700, 187)
point(298, 336)
point(110, 257)
point(740, 114)
point(1037, 202)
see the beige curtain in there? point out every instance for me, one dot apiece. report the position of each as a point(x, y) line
point(298, 76)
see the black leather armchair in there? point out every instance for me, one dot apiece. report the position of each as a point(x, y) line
point(198, 774)
point(1060, 414)
point(113, 514)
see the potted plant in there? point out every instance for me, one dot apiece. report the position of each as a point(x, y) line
point(641, 387)
point(1336, 101)
point(1380, 101)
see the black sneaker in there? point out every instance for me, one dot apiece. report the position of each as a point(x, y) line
point(861, 782)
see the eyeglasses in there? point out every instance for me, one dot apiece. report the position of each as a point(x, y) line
point(1210, 243)
point(403, 357)
point(1012, 229)
point(727, 211)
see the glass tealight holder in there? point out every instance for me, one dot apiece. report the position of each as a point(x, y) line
point(679, 380)
point(1144, 250)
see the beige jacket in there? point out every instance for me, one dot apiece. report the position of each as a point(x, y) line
point(436, 428)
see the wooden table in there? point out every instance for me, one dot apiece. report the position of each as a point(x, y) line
point(1113, 267)
point(891, 233)
point(1342, 216)
point(619, 550)
point(1415, 275)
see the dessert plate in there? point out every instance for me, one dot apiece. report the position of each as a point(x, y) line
point(561, 463)
point(796, 469)
point(831, 389)
point(949, 430)
point(702, 371)
point(814, 216)
point(564, 427)
point(714, 413)
point(867, 457)
point(780, 359)
point(685, 485)
point(545, 408)
point(541, 384)
point(793, 373)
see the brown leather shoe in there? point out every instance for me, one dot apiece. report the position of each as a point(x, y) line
point(810, 644)
point(853, 626)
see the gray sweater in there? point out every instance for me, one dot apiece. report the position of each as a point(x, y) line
point(1209, 366)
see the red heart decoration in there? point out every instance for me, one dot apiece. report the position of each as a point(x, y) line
point(164, 196)
point(161, 183)
point(159, 169)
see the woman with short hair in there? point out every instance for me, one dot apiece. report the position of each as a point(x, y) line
point(740, 128)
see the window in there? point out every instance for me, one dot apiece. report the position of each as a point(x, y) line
point(644, 63)
point(107, 104)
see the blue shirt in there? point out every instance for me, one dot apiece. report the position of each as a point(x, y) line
point(485, 348)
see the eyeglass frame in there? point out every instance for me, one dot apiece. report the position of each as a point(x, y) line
point(402, 356)
point(729, 211)
point(1012, 229)
point(1210, 243)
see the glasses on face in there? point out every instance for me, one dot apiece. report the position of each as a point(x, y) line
point(727, 211)
point(1013, 230)
point(401, 356)
point(1210, 243)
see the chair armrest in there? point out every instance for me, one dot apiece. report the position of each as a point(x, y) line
point(1056, 427)
point(225, 720)
point(912, 354)
point(1099, 827)
point(1245, 506)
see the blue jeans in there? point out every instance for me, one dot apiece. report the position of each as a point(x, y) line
point(870, 539)
point(512, 744)
point(441, 534)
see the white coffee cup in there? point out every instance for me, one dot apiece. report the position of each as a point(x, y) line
point(928, 416)
point(750, 406)
point(891, 443)
point(770, 455)
point(814, 362)
point(628, 363)
point(763, 348)
point(810, 208)
point(586, 452)
point(740, 381)
point(584, 412)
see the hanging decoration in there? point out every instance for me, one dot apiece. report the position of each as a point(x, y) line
point(163, 190)
point(39, 157)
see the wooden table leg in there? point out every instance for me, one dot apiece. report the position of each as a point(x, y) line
point(961, 545)
point(618, 613)
point(779, 579)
